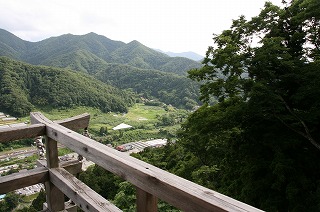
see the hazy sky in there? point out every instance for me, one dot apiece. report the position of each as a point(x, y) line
point(169, 25)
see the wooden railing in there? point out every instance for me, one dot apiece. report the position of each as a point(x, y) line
point(151, 182)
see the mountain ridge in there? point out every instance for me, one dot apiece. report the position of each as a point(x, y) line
point(131, 66)
point(134, 53)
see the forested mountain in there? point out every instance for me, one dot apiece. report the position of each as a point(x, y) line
point(130, 66)
point(11, 45)
point(168, 88)
point(260, 142)
point(83, 49)
point(25, 86)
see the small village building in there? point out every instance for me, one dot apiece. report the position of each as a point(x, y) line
point(122, 126)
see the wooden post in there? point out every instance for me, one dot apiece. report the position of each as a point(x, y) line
point(146, 202)
point(55, 198)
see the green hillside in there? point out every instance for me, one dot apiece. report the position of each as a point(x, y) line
point(169, 88)
point(24, 87)
point(11, 45)
point(127, 66)
point(52, 50)
point(80, 60)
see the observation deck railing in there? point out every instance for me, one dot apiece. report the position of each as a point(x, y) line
point(151, 182)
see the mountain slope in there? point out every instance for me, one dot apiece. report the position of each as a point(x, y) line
point(167, 87)
point(11, 45)
point(50, 51)
point(24, 86)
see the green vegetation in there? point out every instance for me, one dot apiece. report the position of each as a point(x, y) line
point(24, 87)
point(89, 53)
point(259, 143)
point(131, 66)
point(173, 89)
point(10, 202)
point(147, 121)
point(15, 202)
point(256, 138)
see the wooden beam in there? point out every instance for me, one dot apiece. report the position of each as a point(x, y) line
point(34, 176)
point(16, 133)
point(78, 192)
point(72, 166)
point(146, 202)
point(76, 122)
point(175, 190)
point(38, 129)
point(23, 179)
point(55, 197)
point(73, 123)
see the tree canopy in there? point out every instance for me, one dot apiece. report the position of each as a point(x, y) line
point(260, 122)
point(25, 86)
point(256, 137)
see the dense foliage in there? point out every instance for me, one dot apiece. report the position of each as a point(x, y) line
point(24, 86)
point(263, 135)
point(10, 202)
point(178, 91)
point(260, 142)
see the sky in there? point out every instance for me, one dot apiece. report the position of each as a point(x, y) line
point(169, 25)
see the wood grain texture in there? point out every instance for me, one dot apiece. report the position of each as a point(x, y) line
point(78, 192)
point(72, 166)
point(76, 122)
point(16, 133)
point(23, 179)
point(34, 176)
point(146, 202)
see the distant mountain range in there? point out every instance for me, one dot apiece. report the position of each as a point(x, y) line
point(132, 66)
point(191, 55)
point(88, 53)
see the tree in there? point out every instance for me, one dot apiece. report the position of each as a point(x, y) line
point(11, 200)
point(260, 141)
point(103, 130)
point(37, 203)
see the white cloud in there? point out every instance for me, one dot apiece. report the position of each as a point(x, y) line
point(175, 25)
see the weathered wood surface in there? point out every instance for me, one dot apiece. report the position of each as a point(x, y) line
point(16, 133)
point(34, 176)
point(23, 179)
point(146, 202)
point(175, 190)
point(78, 192)
point(72, 166)
point(38, 129)
point(55, 197)
point(75, 122)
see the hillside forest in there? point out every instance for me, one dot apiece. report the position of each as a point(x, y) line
point(260, 143)
point(252, 129)
point(144, 71)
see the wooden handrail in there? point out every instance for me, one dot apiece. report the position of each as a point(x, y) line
point(34, 176)
point(151, 182)
point(175, 190)
point(16, 133)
